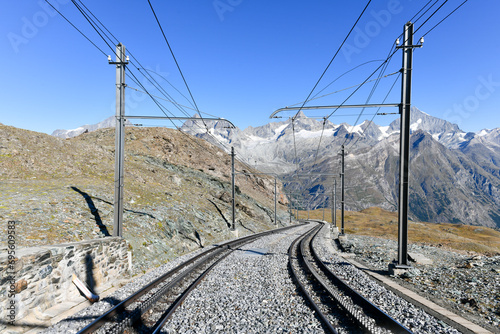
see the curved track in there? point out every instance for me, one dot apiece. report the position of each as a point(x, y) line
point(339, 307)
point(166, 292)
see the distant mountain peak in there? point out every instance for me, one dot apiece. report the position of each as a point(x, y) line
point(107, 123)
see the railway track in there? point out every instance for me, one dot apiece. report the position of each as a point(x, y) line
point(148, 309)
point(340, 308)
point(256, 289)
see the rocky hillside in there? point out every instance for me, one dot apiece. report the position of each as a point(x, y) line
point(177, 191)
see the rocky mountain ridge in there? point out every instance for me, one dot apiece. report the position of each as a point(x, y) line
point(455, 175)
point(107, 123)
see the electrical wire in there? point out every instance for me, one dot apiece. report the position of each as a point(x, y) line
point(385, 63)
point(434, 13)
point(105, 34)
point(135, 79)
point(176, 63)
point(115, 41)
point(105, 31)
point(344, 89)
point(178, 91)
point(340, 76)
point(93, 25)
point(161, 98)
point(370, 122)
point(375, 114)
point(151, 79)
point(421, 9)
point(445, 18)
point(88, 39)
point(334, 56)
point(423, 14)
point(319, 80)
point(382, 70)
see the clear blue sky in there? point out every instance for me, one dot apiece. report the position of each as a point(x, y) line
point(243, 59)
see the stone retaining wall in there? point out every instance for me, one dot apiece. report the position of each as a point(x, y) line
point(43, 275)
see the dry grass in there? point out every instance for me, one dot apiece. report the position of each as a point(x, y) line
point(380, 223)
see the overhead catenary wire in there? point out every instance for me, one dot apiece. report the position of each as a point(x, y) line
point(383, 66)
point(358, 116)
point(178, 91)
point(423, 14)
point(382, 70)
point(340, 76)
point(99, 31)
point(385, 63)
point(87, 38)
point(334, 56)
point(319, 80)
point(422, 36)
point(444, 18)
point(369, 123)
point(209, 132)
point(162, 98)
point(430, 16)
point(392, 54)
point(91, 18)
point(106, 32)
point(375, 114)
point(94, 26)
point(107, 40)
point(136, 80)
point(344, 89)
point(175, 60)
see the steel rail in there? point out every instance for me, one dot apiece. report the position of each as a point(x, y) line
point(354, 313)
point(131, 318)
point(203, 257)
point(381, 318)
point(322, 317)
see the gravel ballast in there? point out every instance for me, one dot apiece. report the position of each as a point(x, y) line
point(464, 283)
point(251, 292)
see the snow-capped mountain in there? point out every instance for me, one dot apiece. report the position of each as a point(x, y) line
point(107, 123)
point(455, 175)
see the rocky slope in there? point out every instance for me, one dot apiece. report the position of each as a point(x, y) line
point(177, 191)
point(455, 176)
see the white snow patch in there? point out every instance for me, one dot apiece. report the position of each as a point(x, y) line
point(385, 132)
point(278, 130)
point(483, 132)
point(256, 140)
point(314, 134)
point(357, 128)
point(415, 125)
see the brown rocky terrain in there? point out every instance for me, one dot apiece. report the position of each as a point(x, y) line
point(177, 191)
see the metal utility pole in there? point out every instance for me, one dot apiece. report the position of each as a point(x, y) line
point(404, 162)
point(275, 202)
point(121, 62)
point(334, 204)
point(342, 186)
point(233, 224)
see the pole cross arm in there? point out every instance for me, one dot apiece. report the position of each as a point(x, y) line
point(181, 118)
point(340, 106)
